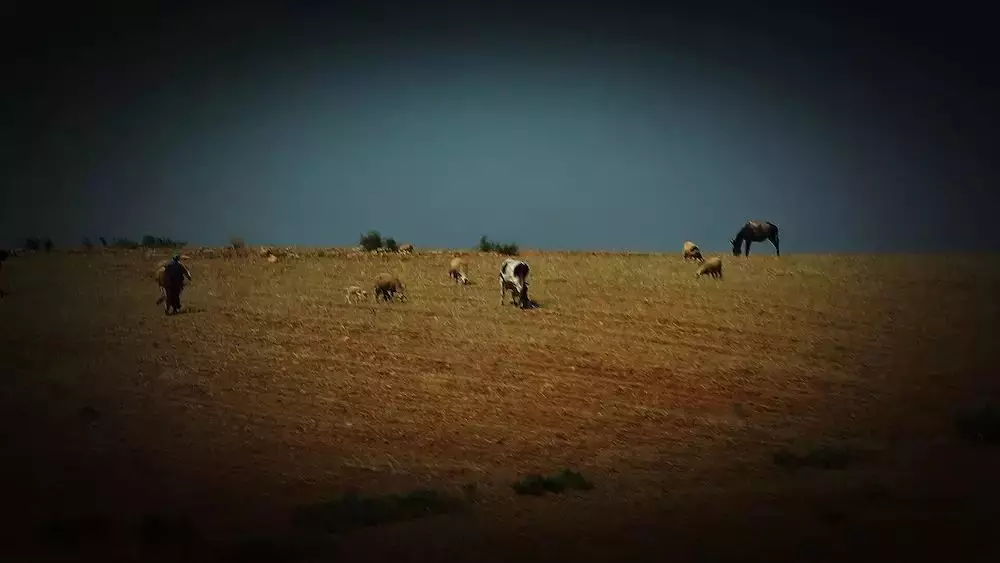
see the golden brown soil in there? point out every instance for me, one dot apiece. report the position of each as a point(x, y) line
point(670, 393)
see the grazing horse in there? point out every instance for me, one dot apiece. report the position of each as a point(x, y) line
point(755, 231)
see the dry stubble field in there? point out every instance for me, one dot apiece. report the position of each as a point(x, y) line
point(670, 394)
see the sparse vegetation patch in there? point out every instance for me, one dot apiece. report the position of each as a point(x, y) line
point(354, 510)
point(293, 548)
point(980, 425)
point(820, 457)
point(73, 532)
point(506, 249)
point(536, 484)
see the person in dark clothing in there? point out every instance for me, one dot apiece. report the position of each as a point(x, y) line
point(174, 274)
point(3, 256)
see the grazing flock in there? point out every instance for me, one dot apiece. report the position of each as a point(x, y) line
point(513, 272)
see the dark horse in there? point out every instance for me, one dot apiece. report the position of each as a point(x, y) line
point(755, 231)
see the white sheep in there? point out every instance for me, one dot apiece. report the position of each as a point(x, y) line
point(712, 267)
point(457, 271)
point(691, 251)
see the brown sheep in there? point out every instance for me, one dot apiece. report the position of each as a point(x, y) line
point(387, 286)
point(457, 271)
point(691, 251)
point(712, 267)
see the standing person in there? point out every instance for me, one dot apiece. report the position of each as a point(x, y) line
point(3, 256)
point(174, 274)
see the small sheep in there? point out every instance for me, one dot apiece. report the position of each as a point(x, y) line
point(457, 271)
point(691, 251)
point(406, 249)
point(356, 292)
point(387, 286)
point(160, 275)
point(712, 267)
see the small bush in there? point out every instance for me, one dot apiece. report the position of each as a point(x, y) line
point(353, 510)
point(371, 241)
point(125, 243)
point(537, 485)
point(104, 242)
point(980, 425)
point(86, 243)
point(48, 244)
point(822, 457)
point(507, 249)
point(390, 244)
point(150, 241)
point(237, 243)
point(163, 533)
point(32, 243)
point(283, 549)
point(76, 531)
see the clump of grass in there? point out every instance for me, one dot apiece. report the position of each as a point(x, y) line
point(76, 531)
point(821, 457)
point(353, 510)
point(536, 484)
point(471, 492)
point(282, 549)
point(980, 425)
point(167, 533)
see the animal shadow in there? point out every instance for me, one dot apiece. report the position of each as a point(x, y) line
point(187, 311)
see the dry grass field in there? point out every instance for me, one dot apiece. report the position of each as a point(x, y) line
point(674, 396)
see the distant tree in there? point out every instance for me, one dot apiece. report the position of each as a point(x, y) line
point(125, 243)
point(507, 249)
point(371, 241)
point(390, 243)
point(149, 241)
point(32, 243)
point(48, 244)
point(87, 244)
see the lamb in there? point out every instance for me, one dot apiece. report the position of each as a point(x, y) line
point(457, 271)
point(356, 292)
point(691, 251)
point(387, 285)
point(161, 280)
point(712, 267)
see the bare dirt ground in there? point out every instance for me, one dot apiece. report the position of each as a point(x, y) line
point(671, 394)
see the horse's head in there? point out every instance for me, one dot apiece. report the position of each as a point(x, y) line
point(736, 247)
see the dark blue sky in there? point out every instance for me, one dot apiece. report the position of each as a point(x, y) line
point(592, 128)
